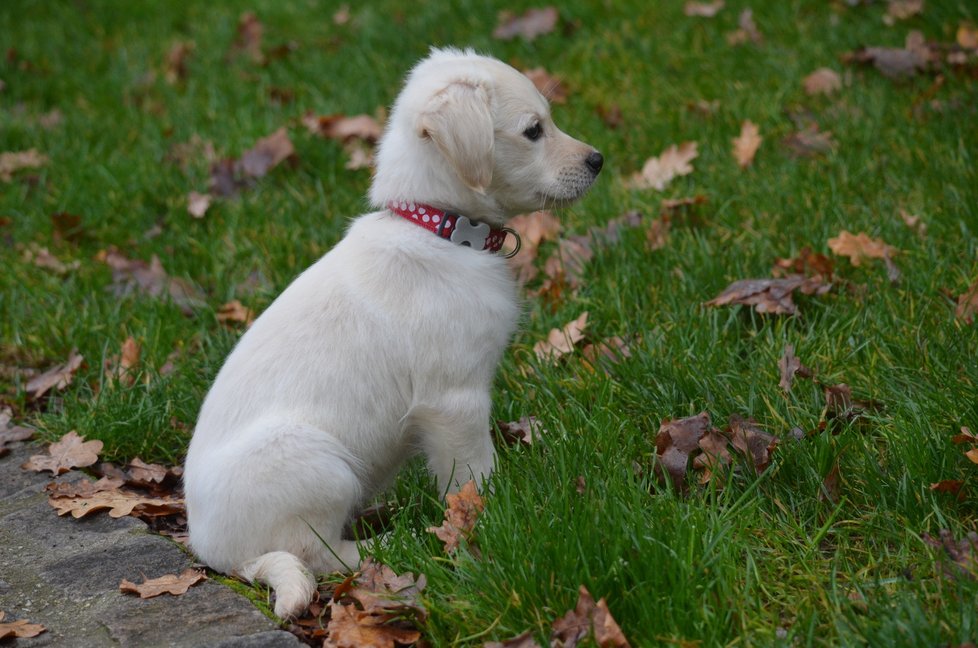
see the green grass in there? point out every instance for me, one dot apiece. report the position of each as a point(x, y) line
point(763, 561)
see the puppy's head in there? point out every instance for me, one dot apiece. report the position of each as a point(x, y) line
point(471, 134)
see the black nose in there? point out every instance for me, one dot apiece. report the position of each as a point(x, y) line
point(594, 162)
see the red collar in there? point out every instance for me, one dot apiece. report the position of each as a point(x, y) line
point(447, 225)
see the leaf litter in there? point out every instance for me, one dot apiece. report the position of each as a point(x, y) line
point(173, 584)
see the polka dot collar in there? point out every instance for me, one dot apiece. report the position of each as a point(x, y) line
point(456, 228)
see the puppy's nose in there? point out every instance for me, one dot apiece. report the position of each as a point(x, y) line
point(594, 162)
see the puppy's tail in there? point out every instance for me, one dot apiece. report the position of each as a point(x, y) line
point(292, 581)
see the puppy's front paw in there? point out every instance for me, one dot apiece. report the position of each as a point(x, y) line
point(292, 600)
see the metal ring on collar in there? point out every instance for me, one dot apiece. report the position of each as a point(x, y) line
point(519, 242)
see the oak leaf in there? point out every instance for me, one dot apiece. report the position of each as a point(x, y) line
point(963, 553)
point(43, 258)
point(751, 441)
point(70, 451)
point(859, 247)
point(169, 584)
point(57, 377)
point(809, 142)
point(551, 87)
point(19, 629)
point(675, 442)
point(902, 10)
point(151, 476)
point(770, 295)
point(895, 62)
point(965, 436)
point(586, 618)
point(342, 127)
point(657, 172)
point(119, 503)
point(789, 366)
point(746, 31)
point(10, 433)
point(533, 229)
point(607, 352)
point(703, 9)
point(235, 311)
point(746, 144)
point(249, 37)
point(952, 486)
point(81, 488)
point(529, 25)
point(524, 640)
point(13, 161)
point(822, 81)
point(123, 367)
point(267, 153)
point(460, 516)
point(807, 263)
point(525, 431)
point(350, 627)
point(137, 276)
point(561, 341)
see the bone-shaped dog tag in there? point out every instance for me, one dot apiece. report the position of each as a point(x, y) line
point(470, 234)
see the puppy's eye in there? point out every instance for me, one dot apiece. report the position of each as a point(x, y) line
point(534, 132)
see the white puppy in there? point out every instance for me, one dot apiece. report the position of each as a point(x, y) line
point(386, 346)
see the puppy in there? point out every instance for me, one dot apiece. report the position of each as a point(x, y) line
point(387, 346)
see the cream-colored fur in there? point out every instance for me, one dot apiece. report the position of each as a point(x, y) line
point(385, 347)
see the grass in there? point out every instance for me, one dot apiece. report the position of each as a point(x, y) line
point(762, 561)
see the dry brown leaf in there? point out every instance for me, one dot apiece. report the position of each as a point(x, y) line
point(809, 142)
point(42, 258)
point(967, 36)
point(340, 127)
point(123, 367)
point(460, 516)
point(714, 455)
point(522, 432)
point(770, 295)
point(267, 153)
point(249, 37)
point(198, 203)
point(968, 304)
point(703, 9)
point(966, 436)
point(169, 584)
point(831, 487)
point(807, 263)
point(175, 64)
point(789, 366)
point(535, 228)
point(529, 25)
point(70, 451)
point(551, 87)
point(860, 246)
point(342, 15)
point(151, 476)
point(972, 455)
point(11, 433)
point(235, 311)
point(914, 222)
point(963, 553)
point(841, 406)
point(746, 144)
point(13, 161)
point(119, 503)
point(674, 443)
point(893, 62)
point(952, 486)
point(747, 30)
point(586, 618)
point(350, 627)
point(83, 487)
point(607, 352)
point(57, 378)
point(902, 10)
point(19, 629)
point(561, 341)
point(359, 155)
point(751, 441)
point(524, 640)
point(657, 172)
point(822, 81)
point(135, 275)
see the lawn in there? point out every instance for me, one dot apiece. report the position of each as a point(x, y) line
point(826, 546)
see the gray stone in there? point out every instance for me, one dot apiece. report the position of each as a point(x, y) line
point(64, 574)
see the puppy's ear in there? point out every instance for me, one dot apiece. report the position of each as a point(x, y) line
point(459, 122)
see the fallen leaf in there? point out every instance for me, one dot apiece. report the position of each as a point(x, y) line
point(952, 486)
point(198, 204)
point(841, 406)
point(532, 229)
point(914, 222)
point(770, 295)
point(175, 64)
point(57, 377)
point(609, 351)
point(135, 275)
point(522, 432)
point(70, 451)
point(267, 153)
point(967, 36)
point(460, 516)
point(51, 119)
point(902, 10)
point(249, 37)
point(751, 441)
point(342, 128)
point(657, 172)
point(822, 81)
point(790, 365)
point(714, 454)
point(860, 246)
point(342, 15)
point(807, 263)
point(963, 553)
point(42, 258)
point(674, 443)
point(11, 433)
point(67, 227)
point(746, 144)
point(19, 629)
point(610, 115)
point(524, 640)
point(966, 436)
point(972, 455)
point(893, 62)
point(809, 142)
point(123, 367)
point(561, 341)
point(549, 86)
point(235, 311)
point(968, 304)
point(747, 30)
point(831, 487)
point(119, 503)
point(168, 584)
point(350, 627)
point(151, 476)
point(586, 618)
point(83, 487)
point(11, 162)
point(703, 9)
point(529, 25)
point(359, 156)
